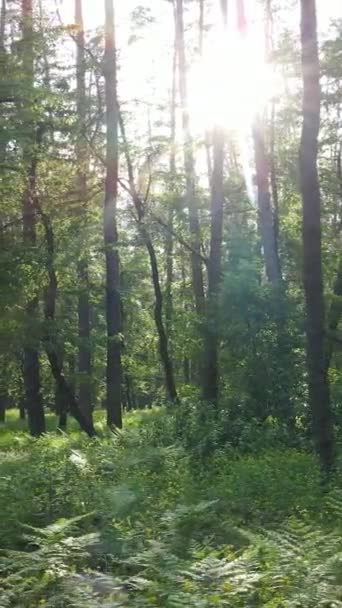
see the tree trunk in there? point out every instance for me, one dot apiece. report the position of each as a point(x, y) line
point(61, 411)
point(200, 27)
point(3, 394)
point(2, 409)
point(113, 307)
point(22, 413)
point(334, 315)
point(158, 307)
point(241, 21)
point(2, 25)
point(66, 393)
point(129, 399)
point(158, 317)
point(84, 351)
point(189, 166)
point(84, 324)
point(169, 236)
point(211, 373)
point(265, 166)
point(186, 363)
point(224, 11)
point(21, 394)
point(31, 367)
point(274, 185)
point(318, 384)
point(266, 220)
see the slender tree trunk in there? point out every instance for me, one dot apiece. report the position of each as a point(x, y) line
point(22, 413)
point(3, 66)
point(274, 185)
point(186, 363)
point(263, 171)
point(84, 351)
point(21, 398)
point(31, 367)
point(169, 234)
point(224, 11)
point(60, 409)
point(200, 27)
point(241, 21)
point(158, 307)
point(50, 296)
point(129, 400)
point(2, 407)
point(64, 388)
point(84, 324)
point(211, 372)
point(113, 307)
point(3, 391)
point(2, 25)
point(189, 166)
point(158, 317)
point(318, 384)
point(266, 220)
point(335, 310)
point(334, 315)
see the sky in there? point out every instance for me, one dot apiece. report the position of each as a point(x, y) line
point(93, 9)
point(146, 64)
point(153, 48)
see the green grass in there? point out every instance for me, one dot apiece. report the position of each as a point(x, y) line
point(161, 528)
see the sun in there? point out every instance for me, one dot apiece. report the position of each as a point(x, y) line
point(231, 84)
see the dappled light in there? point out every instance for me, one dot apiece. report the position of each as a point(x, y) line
point(170, 303)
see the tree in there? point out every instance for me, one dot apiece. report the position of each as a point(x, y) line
point(210, 380)
point(266, 219)
point(84, 353)
point(140, 206)
point(189, 165)
point(318, 383)
point(169, 245)
point(33, 397)
point(113, 306)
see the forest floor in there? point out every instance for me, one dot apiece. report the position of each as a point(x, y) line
point(135, 519)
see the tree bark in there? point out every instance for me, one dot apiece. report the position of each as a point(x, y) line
point(334, 315)
point(266, 220)
point(113, 307)
point(2, 25)
point(318, 384)
point(84, 350)
point(169, 236)
point(224, 11)
point(158, 307)
point(158, 317)
point(211, 373)
point(189, 166)
point(61, 410)
point(3, 391)
point(84, 323)
point(31, 366)
point(274, 185)
point(200, 27)
point(66, 393)
point(2, 407)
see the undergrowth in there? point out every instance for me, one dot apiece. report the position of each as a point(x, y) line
point(137, 519)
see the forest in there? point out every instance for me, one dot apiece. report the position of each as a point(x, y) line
point(170, 303)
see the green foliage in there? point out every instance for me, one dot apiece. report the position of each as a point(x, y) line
point(131, 521)
point(192, 504)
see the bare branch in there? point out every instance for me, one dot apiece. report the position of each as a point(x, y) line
point(179, 238)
